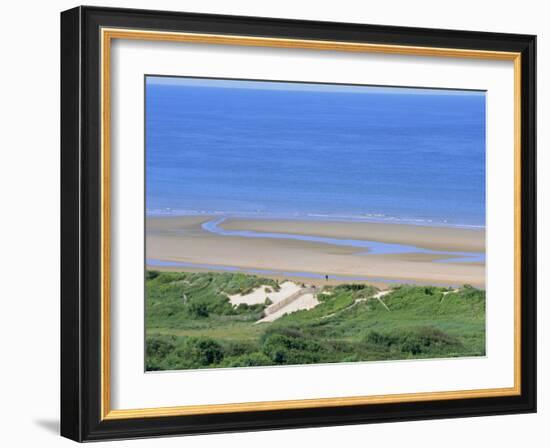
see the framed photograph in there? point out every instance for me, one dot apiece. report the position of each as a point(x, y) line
point(276, 224)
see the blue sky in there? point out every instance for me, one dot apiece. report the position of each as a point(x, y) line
point(301, 86)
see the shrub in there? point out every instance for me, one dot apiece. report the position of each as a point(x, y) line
point(351, 287)
point(201, 351)
point(198, 309)
point(156, 350)
point(283, 348)
point(157, 347)
point(424, 339)
point(376, 338)
point(414, 341)
point(151, 275)
point(250, 360)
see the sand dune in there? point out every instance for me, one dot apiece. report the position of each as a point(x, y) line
point(303, 302)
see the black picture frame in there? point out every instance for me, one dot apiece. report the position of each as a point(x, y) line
point(81, 224)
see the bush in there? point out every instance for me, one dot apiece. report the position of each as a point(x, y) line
point(158, 348)
point(254, 311)
point(425, 339)
point(250, 360)
point(156, 351)
point(198, 309)
point(200, 351)
point(376, 338)
point(283, 348)
point(351, 287)
point(151, 275)
point(415, 341)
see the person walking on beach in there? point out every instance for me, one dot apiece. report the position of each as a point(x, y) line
point(326, 277)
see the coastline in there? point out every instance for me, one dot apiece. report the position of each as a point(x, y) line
point(449, 238)
point(183, 239)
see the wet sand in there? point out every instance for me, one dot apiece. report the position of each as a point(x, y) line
point(181, 239)
point(429, 237)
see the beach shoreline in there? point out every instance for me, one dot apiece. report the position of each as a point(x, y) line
point(436, 237)
point(183, 239)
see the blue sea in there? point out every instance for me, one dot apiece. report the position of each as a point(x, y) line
point(275, 149)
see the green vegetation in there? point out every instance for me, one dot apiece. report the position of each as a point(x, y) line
point(191, 324)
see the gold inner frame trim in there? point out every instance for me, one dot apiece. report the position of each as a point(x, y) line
point(107, 35)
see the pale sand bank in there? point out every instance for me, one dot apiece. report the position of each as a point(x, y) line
point(429, 237)
point(304, 302)
point(290, 298)
point(182, 239)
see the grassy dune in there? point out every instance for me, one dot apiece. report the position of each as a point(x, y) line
point(190, 324)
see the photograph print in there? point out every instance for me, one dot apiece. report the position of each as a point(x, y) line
point(295, 223)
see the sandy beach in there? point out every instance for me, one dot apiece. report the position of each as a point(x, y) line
point(182, 239)
point(439, 238)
